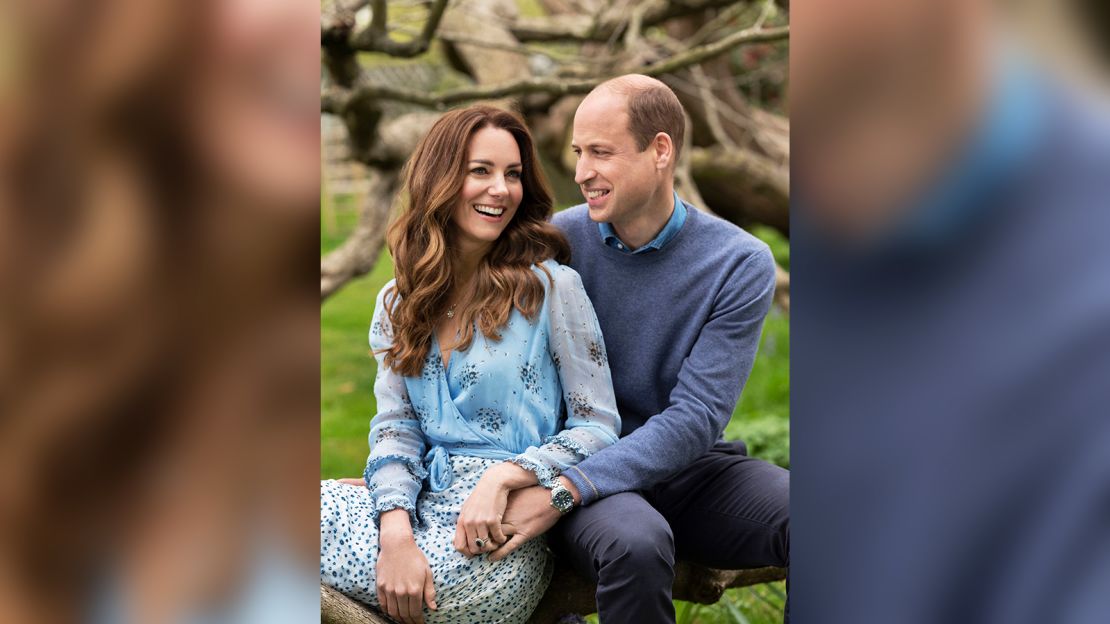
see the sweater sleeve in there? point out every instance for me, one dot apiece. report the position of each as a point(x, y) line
point(394, 469)
point(701, 403)
point(579, 354)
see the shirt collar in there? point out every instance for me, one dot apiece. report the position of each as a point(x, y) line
point(674, 224)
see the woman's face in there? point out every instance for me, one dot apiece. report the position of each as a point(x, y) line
point(491, 190)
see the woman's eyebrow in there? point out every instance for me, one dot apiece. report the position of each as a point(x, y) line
point(491, 163)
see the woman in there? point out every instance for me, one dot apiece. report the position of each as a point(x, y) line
point(480, 341)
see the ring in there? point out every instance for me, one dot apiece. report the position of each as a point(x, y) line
point(479, 542)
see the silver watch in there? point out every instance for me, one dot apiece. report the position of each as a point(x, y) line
point(562, 499)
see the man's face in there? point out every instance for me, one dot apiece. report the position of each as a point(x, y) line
point(616, 178)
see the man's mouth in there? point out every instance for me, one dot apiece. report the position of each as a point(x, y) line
point(597, 193)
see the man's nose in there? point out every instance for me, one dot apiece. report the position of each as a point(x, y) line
point(583, 171)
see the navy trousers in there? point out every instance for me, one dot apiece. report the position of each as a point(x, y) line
point(726, 510)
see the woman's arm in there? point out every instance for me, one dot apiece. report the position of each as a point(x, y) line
point(592, 421)
point(394, 469)
point(578, 350)
point(404, 578)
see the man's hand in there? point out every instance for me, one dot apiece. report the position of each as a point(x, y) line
point(528, 514)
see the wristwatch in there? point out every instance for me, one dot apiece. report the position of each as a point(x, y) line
point(562, 499)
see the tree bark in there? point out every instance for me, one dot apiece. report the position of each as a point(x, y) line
point(358, 254)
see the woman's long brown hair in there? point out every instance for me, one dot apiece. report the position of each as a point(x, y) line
point(422, 237)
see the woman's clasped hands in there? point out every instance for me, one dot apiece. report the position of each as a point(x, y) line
point(480, 528)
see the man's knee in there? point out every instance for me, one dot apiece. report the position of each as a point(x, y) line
point(641, 541)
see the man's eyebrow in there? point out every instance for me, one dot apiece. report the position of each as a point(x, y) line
point(595, 144)
point(491, 164)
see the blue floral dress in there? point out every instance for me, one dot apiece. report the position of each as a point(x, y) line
point(541, 397)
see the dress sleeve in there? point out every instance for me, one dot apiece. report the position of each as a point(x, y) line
point(394, 469)
point(578, 351)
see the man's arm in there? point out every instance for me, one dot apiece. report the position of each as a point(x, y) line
point(702, 401)
point(701, 404)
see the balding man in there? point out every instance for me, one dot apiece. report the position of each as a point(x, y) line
point(681, 297)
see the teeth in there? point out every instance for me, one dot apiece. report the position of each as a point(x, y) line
point(596, 194)
point(493, 211)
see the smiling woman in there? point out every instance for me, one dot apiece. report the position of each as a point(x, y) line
point(480, 340)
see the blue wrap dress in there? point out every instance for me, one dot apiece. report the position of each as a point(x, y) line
point(541, 397)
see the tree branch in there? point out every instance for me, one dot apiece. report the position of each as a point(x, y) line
point(335, 101)
point(608, 25)
point(358, 254)
point(375, 37)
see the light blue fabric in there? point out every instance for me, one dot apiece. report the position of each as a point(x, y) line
point(497, 400)
point(674, 224)
point(468, 589)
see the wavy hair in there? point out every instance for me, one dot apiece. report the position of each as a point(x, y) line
point(421, 240)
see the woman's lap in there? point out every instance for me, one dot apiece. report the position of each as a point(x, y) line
point(467, 590)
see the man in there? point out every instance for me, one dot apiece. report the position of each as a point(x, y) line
point(681, 297)
point(951, 361)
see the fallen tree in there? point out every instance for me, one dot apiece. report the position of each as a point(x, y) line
point(569, 594)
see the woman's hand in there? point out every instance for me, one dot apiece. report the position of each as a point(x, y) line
point(403, 574)
point(480, 517)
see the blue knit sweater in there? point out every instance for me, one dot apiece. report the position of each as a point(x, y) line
point(681, 328)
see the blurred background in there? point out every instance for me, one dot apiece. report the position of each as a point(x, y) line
point(951, 320)
point(159, 189)
point(386, 80)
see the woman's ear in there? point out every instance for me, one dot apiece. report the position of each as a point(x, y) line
point(663, 148)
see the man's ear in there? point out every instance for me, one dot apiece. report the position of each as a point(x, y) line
point(663, 150)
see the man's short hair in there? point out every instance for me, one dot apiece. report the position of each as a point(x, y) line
point(652, 108)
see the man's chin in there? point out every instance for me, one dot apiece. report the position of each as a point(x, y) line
point(599, 214)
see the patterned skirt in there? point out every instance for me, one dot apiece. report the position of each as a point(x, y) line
point(468, 591)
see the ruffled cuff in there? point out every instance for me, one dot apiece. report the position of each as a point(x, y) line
point(568, 443)
point(414, 465)
point(545, 475)
point(389, 503)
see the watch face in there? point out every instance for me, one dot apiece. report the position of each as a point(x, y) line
point(562, 499)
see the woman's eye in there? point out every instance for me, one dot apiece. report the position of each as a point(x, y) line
point(479, 171)
point(513, 174)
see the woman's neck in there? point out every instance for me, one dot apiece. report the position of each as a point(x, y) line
point(465, 264)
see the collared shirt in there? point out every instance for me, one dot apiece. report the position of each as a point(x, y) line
point(674, 224)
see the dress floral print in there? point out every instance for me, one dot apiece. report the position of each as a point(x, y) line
point(541, 397)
